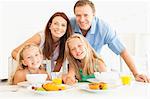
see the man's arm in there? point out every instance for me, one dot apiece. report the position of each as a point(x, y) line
point(129, 61)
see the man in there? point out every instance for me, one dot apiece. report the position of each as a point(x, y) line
point(99, 33)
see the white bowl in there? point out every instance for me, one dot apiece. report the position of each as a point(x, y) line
point(36, 78)
point(108, 77)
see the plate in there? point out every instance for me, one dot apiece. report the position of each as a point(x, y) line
point(24, 84)
point(110, 82)
point(27, 84)
point(93, 80)
point(68, 87)
point(86, 88)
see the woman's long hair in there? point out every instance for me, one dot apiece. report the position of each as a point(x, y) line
point(91, 58)
point(47, 49)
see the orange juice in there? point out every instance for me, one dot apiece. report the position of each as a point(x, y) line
point(126, 79)
point(57, 80)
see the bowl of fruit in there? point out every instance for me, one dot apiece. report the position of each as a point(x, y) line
point(36, 78)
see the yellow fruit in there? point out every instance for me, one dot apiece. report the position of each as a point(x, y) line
point(105, 86)
point(40, 89)
point(53, 87)
point(94, 85)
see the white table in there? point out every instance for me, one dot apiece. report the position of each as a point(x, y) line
point(136, 89)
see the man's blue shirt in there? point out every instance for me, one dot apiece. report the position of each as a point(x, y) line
point(100, 34)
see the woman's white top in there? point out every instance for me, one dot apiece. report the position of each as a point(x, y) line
point(64, 67)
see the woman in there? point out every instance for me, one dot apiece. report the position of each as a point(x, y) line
point(52, 41)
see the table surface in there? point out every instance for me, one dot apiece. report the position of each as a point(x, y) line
point(136, 89)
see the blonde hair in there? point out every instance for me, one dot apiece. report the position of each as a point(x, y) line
point(20, 54)
point(19, 64)
point(91, 59)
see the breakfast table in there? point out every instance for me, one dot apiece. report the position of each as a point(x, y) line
point(135, 89)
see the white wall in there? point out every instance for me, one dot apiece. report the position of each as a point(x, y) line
point(19, 20)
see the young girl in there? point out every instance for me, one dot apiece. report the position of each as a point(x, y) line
point(29, 62)
point(83, 60)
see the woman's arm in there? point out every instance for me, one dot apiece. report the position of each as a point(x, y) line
point(36, 39)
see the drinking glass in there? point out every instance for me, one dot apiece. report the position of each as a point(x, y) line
point(56, 77)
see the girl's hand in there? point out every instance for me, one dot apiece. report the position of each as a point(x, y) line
point(142, 78)
point(70, 80)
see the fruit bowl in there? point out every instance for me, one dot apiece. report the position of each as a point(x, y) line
point(36, 78)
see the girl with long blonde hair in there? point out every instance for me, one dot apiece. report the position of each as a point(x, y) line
point(82, 58)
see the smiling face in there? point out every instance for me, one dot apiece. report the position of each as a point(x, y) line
point(32, 57)
point(58, 27)
point(77, 48)
point(84, 15)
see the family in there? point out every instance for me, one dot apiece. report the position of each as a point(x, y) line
point(78, 41)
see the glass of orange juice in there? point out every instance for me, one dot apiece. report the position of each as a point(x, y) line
point(126, 79)
point(56, 77)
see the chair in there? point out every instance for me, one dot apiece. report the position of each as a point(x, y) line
point(12, 65)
